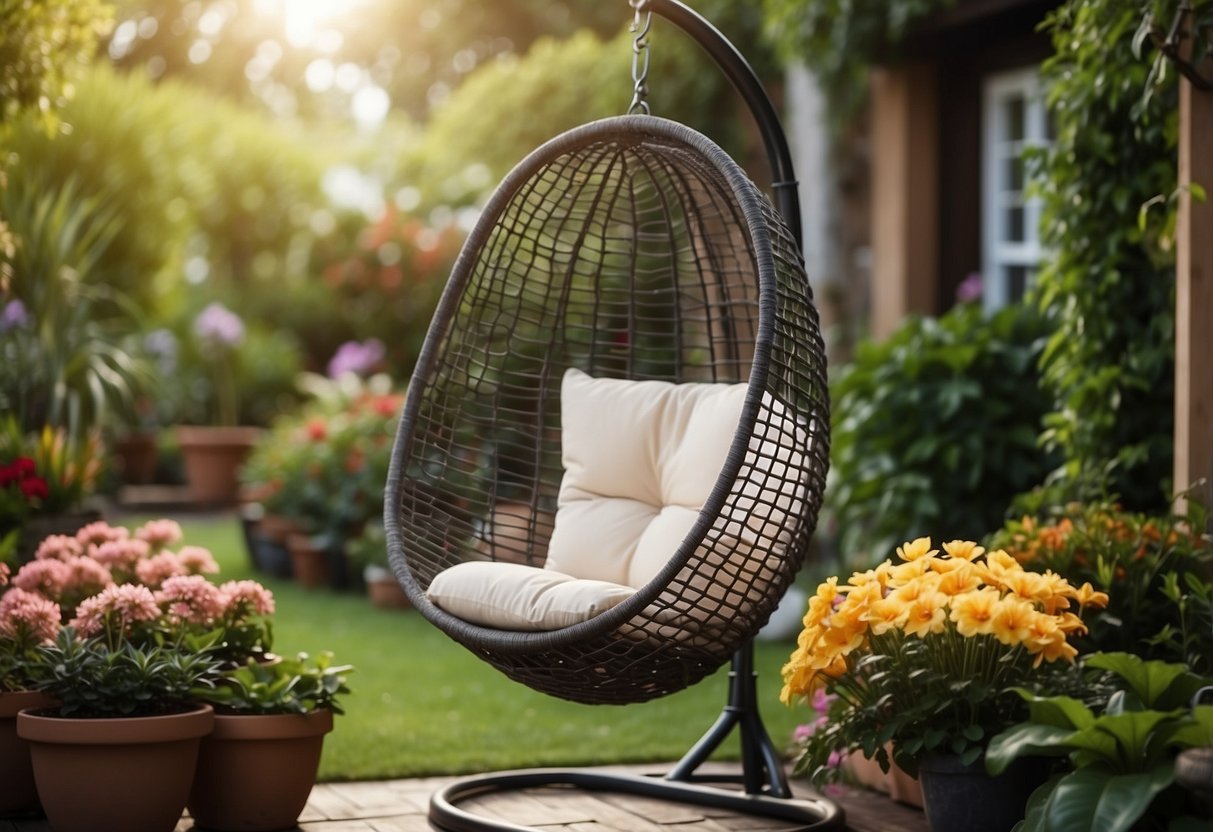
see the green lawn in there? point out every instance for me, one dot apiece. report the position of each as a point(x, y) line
point(423, 705)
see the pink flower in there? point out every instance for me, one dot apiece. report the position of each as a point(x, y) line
point(94, 534)
point(158, 568)
point(822, 701)
point(27, 618)
point(197, 561)
point(118, 606)
point(835, 759)
point(86, 577)
point(242, 599)
point(121, 555)
point(159, 533)
point(44, 577)
point(802, 732)
point(59, 547)
point(3, 574)
point(190, 599)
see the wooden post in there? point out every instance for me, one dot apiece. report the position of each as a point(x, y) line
point(905, 194)
point(1194, 297)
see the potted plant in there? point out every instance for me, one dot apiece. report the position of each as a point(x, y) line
point(213, 453)
point(925, 656)
point(369, 551)
point(147, 630)
point(259, 764)
point(26, 621)
point(46, 479)
point(324, 467)
point(118, 751)
point(1118, 749)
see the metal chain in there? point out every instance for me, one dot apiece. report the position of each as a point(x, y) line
point(640, 58)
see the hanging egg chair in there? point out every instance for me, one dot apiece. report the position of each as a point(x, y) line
point(613, 450)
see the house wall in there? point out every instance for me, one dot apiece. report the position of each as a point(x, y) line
point(925, 112)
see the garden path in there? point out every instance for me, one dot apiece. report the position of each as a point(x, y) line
point(401, 805)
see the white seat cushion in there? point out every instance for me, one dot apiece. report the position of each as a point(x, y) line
point(512, 596)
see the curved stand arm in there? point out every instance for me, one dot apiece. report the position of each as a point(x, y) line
point(743, 78)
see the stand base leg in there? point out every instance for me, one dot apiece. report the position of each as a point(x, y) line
point(814, 815)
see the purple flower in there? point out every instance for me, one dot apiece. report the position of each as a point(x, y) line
point(969, 290)
point(13, 316)
point(219, 325)
point(162, 346)
point(359, 357)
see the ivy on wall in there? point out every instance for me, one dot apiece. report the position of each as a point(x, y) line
point(1109, 282)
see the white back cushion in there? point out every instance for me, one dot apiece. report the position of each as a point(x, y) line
point(640, 458)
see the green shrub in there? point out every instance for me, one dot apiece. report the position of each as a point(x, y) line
point(935, 429)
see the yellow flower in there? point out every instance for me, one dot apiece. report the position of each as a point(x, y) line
point(912, 590)
point(963, 549)
point(1013, 620)
point(1047, 641)
point(920, 547)
point(973, 612)
point(963, 579)
point(1086, 596)
point(926, 614)
point(1068, 623)
point(904, 573)
point(1029, 586)
point(886, 614)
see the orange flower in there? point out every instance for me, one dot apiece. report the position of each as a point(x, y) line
point(1087, 596)
point(964, 549)
point(926, 614)
point(1012, 622)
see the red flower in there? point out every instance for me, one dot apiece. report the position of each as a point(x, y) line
point(317, 430)
point(34, 488)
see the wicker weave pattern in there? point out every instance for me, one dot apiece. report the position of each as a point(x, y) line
point(631, 248)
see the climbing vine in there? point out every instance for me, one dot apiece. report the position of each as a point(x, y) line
point(840, 39)
point(1109, 282)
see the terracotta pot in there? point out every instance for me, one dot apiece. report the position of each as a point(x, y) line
point(256, 772)
point(114, 775)
point(212, 457)
point(384, 590)
point(896, 783)
point(309, 562)
point(19, 795)
point(135, 456)
point(277, 527)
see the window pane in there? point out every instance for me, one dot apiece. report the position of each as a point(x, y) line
point(1014, 224)
point(1014, 108)
point(1014, 181)
point(1017, 282)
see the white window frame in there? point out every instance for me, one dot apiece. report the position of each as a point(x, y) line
point(997, 252)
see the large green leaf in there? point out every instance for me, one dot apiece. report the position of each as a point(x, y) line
point(1034, 811)
point(1025, 739)
point(1132, 732)
point(1062, 711)
point(1093, 799)
point(1152, 680)
point(1197, 733)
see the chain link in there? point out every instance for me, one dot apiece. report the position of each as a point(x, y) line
point(640, 59)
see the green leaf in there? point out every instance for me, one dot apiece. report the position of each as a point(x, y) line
point(1096, 800)
point(1197, 733)
point(1034, 810)
point(1062, 711)
point(1148, 680)
point(1132, 731)
point(1025, 739)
